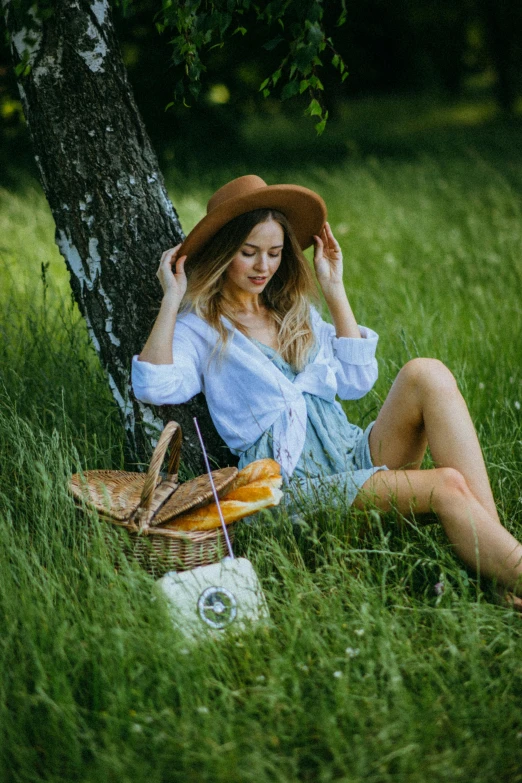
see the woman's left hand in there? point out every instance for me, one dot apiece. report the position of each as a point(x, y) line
point(328, 261)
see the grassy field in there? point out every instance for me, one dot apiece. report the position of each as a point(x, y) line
point(366, 673)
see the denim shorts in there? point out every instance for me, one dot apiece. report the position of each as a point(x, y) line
point(337, 488)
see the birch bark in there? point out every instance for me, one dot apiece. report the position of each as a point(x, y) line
point(107, 195)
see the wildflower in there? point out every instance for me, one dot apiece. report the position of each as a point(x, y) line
point(337, 674)
point(517, 405)
point(439, 588)
point(359, 632)
point(184, 651)
point(261, 678)
point(203, 710)
point(136, 728)
point(352, 652)
point(481, 385)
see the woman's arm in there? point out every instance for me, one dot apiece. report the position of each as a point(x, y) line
point(355, 363)
point(158, 348)
point(353, 360)
point(328, 262)
point(175, 382)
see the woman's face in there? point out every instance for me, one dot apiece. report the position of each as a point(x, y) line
point(257, 260)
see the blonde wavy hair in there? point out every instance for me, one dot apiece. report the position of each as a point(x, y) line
point(287, 295)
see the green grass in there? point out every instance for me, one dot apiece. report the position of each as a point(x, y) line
point(365, 673)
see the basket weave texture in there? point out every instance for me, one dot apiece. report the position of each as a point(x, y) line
point(140, 503)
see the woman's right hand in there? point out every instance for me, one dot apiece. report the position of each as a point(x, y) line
point(174, 283)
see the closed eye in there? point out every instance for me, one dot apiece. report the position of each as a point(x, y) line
point(272, 255)
point(251, 255)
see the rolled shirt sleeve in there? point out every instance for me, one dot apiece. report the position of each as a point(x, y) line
point(169, 384)
point(354, 359)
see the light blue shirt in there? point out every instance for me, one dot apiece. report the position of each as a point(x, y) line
point(246, 393)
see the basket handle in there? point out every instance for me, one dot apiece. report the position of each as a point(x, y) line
point(170, 435)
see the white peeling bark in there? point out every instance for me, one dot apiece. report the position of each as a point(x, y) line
point(102, 180)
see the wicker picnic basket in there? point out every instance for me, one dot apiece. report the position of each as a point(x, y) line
point(139, 503)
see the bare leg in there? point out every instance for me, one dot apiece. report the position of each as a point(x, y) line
point(424, 407)
point(477, 538)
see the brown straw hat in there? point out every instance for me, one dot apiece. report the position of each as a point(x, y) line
point(305, 210)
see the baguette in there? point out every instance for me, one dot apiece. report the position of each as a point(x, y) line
point(260, 469)
point(255, 487)
point(207, 517)
point(255, 491)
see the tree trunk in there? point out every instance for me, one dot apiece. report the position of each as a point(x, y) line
point(107, 196)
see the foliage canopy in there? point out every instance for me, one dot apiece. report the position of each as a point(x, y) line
point(296, 28)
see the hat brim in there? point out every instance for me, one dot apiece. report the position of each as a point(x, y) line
point(304, 209)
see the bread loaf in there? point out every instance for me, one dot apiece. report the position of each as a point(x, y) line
point(260, 469)
point(255, 487)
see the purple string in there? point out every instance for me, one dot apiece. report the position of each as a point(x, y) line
point(225, 531)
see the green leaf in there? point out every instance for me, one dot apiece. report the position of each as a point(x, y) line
point(241, 30)
point(169, 105)
point(289, 90)
point(273, 43)
point(344, 76)
point(336, 60)
point(320, 127)
point(304, 57)
point(315, 34)
point(314, 108)
point(304, 85)
point(263, 85)
point(314, 13)
point(24, 67)
point(266, 93)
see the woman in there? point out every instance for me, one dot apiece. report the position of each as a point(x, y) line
point(270, 367)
